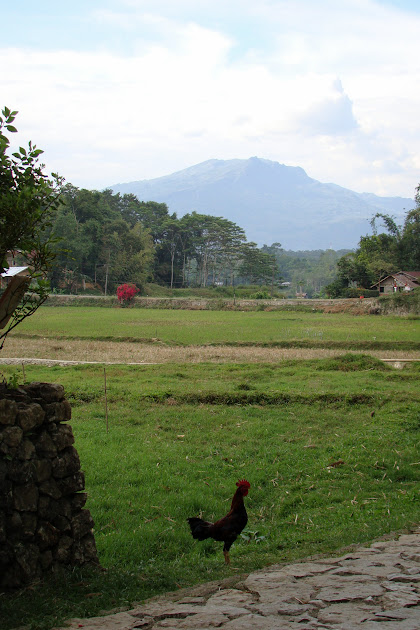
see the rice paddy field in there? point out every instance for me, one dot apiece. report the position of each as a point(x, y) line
point(326, 432)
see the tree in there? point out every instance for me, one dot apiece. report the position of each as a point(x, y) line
point(381, 253)
point(28, 201)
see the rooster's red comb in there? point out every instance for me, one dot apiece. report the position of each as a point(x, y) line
point(243, 482)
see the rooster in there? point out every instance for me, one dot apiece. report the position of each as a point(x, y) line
point(228, 528)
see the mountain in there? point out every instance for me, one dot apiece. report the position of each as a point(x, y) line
point(271, 202)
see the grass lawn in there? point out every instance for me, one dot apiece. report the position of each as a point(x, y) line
point(330, 447)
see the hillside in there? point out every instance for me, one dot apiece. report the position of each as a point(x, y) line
point(271, 201)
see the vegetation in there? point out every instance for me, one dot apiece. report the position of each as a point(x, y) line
point(111, 239)
point(381, 254)
point(28, 201)
point(126, 293)
point(186, 327)
point(166, 458)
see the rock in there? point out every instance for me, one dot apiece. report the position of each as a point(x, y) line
point(44, 445)
point(344, 592)
point(62, 552)
point(66, 464)
point(62, 436)
point(26, 498)
point(12, 436)
point(29, 523)
point(50, 488)
point(8, 411)
point(27, 558)
point(78, 501)
point(82, 524)
point(72, 484)
point(47, 535)
point(20, 472)
point(26, 450)
point(50, 392)
point(58, 411)
point(30, 416)
point(42, 470)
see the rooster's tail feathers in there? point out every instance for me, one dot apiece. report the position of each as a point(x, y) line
point(199, 528)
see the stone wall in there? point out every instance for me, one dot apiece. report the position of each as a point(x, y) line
point(42, 521)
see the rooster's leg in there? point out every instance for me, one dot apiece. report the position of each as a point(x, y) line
point(227, 558)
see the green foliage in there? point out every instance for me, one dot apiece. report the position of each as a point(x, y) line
point(355, 292)
point(308, 271)
point(28, 203)
point(260, 295)
point(102, 243)
point(352, 363)
point(381, 254)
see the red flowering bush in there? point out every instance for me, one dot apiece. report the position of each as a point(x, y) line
point(126, 292)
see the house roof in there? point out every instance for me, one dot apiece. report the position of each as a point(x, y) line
point(13, 271)
point(403, 278)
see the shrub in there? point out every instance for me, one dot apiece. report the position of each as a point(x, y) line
point(260, 295)
point(355, 292)
point(126, 293)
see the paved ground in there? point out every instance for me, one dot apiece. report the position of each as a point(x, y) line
point(368, 589)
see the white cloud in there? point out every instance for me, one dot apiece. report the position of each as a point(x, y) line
point(332, 87)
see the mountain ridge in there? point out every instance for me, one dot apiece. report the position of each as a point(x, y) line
point(272, 202)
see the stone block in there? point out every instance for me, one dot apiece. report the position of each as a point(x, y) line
point(25, 498)
point(29, 523)
point(8, 411)
point(78, 501)
point(47, 536)
point(62, 552)
point(27, 558)
point(66, 464)
point(42, 470)
point(12, 436)
point(62, 436)
point(26, 450)
point(44, 445)
point(50, 488)
point(82, 524)
point(20, 472)
point(50, 392)
point(30, 416)
point(72, 484)
point(58, 411)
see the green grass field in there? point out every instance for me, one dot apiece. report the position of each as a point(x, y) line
point(325, 471)
point(222, 327)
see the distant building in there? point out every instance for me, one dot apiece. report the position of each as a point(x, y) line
point(398, 282)
point(15, 280)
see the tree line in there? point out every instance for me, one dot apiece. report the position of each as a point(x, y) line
point(106, 238)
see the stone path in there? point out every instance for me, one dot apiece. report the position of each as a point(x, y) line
point(369, 588)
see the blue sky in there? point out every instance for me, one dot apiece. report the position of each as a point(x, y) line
point(135, 89)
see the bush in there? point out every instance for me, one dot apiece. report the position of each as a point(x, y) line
point(260, 295)
point(126, 293)
point(355, 292)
